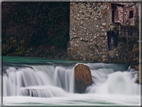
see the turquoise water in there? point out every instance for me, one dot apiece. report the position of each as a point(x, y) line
point(98, 94)
point(49, 61)
point(36, 60)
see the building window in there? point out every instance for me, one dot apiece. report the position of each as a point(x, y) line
point(131, 14)
point(112, 39)
point(113, 15)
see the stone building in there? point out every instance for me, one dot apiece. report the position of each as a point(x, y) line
point(95, 29)
point(125, 13)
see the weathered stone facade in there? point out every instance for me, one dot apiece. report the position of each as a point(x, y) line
point(88, 31)
point(123, 11)
point(89, 26)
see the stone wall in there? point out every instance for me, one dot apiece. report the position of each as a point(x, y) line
point(88, 31)
point(127, 37)
point(89, 27)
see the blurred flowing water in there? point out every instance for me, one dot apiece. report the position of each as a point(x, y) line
point(38, 81)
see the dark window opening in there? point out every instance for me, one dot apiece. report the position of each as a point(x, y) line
point(113, 13)
point(112, 39)
point(131, 14)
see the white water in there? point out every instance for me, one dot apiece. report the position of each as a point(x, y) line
point(64, 78)
point(44, 84)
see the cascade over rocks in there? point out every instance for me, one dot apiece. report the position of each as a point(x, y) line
point(83, 78)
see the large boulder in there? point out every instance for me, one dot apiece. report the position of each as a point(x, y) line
point(83, 78)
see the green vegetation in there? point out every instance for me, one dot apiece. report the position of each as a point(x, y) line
point(35, 29)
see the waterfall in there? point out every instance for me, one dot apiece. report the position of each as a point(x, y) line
point(57, 84)
point(64, 78)
point(27, 80)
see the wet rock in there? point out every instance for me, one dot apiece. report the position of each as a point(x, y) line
point(135, 61)
point(139, 78)
point(83, 78)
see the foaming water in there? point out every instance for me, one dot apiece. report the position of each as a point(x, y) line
point(116, 83)
point(54, 85)
point(75, 99)
point(42, 91)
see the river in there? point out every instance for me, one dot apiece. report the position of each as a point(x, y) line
point(41, 81)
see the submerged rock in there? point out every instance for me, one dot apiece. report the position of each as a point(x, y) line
point(83, 78)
